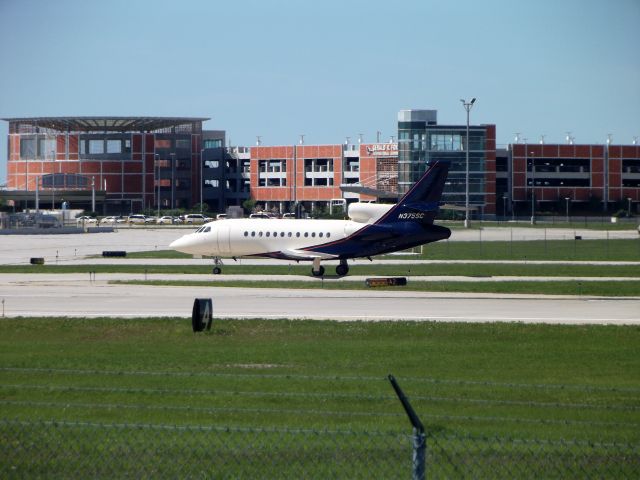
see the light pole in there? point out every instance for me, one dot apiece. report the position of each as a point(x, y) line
point(201, 179)
point(467, 106)
point(158, 182)
point(53, 183)
point(173, 170)
point(629, 199)
point(504, 207)
point(93, 193)
point(533, 189)
point(567, 200)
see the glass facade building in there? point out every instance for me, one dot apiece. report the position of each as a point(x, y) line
point(422, 141)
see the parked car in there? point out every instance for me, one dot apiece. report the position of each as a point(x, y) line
point(137, 219)
point(221, 216)
point(150, 219)
point(196, 218)
point(168, 220)
point(260, 215)
point(109, 220)
point(83, 220)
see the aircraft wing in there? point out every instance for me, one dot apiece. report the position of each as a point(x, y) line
point(306, 255)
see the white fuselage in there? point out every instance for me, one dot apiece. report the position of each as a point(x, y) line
point(256, 236)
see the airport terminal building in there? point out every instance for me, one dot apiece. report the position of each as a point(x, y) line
point(121, 165)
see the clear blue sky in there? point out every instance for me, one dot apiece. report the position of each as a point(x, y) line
point(330, 68)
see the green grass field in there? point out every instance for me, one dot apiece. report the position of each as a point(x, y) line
point(523, 381)
point(553, 287)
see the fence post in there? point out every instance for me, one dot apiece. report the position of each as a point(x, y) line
point(419, 437)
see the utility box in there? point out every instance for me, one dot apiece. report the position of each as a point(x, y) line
point(202, 314)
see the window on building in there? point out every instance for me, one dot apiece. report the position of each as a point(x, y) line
point(446, 142)
point(96, 147)
point(27, 148)
point(114, 146)
point(182, 143)
point(215, 183)
point(272, 173)
point(212, 143)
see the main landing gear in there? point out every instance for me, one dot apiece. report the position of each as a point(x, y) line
point(343, 268)
point(317, 270)
point(217, 265)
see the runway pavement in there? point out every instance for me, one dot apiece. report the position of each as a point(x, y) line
point(75, 295)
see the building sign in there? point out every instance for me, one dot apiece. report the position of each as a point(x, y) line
point(383, 149)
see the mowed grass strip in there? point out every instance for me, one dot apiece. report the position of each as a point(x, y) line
point(529, 381)
point(414, 269)
point(554, 287)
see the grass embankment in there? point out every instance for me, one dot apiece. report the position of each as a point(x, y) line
point(525, 381)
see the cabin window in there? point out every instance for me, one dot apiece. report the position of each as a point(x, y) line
point(289, 234)
point(328, 234)
point(282, 234)
point(246, 234)
point(259, 234)
point(320, 234)
point(313, 234)
point(253, 234)
point(268, 234)
point(297, 234)
point(306, 234)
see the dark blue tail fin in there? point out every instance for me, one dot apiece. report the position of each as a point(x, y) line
point(420, 204)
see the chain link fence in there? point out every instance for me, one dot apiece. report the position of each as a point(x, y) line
point(56, 449)
point(91, 450)
point(451, 456)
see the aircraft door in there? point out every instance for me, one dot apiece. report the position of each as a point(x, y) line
point(224, 246)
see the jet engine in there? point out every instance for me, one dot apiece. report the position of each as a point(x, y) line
point(367, 212)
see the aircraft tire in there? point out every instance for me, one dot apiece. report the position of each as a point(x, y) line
point(217, 270)
point(319, 272)
point(342, 269)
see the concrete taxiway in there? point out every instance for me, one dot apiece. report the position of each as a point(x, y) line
point(75, 295)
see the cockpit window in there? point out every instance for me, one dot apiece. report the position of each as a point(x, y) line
point(207, 229)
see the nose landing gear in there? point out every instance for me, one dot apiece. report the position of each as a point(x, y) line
point(317, 270)
point(217, 265)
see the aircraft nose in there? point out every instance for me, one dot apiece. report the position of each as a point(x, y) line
point(179, 244)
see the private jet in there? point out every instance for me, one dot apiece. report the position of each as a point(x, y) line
point(372, 229)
